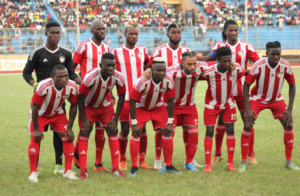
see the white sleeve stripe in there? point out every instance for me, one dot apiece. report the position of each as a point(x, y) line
point(33, 52)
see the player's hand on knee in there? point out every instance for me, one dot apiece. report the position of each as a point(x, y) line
point(87, 126)
point(250, 117)
point(168, 130)
point(136, 131)
point(287, 118)
point(147, 73)
point(38, 135)
point(69, 135)
point(112, 127)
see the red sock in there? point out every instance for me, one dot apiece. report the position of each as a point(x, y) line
point(289, 143)
point(185, 136)
point(134, 150)
point(245, 142)
point(83, 143)
point(68, 149)
point(251, 147)
point(158, 145)
point(113, 142)
point(99, 141)
point(167, 143)
point(76, 146)
point(123, 139)
point(219, 134)
point(33, 153)
point(207, 148)
point(230, 140)
point(192, 144)
point(143, 147)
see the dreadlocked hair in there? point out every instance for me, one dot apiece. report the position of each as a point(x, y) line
point(227, 23)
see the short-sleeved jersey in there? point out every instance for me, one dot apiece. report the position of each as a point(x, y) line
point(50, 99)
point(241, 53)
point(96, 88)
point(149, 95)
point(220, 86)
point(185, 85)
point(42, 60)
point(130, 62)
point(88, 55)
point(171, 57)
point(269, 81)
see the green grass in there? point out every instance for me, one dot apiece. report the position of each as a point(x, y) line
point(269, 177)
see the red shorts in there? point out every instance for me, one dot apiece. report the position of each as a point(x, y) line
point(185, 115)
point(211, 115)
point(98, 114)
point(124, 115)
point(277, 108)
point(158, 116)
point(240, 102)
point(58, 123)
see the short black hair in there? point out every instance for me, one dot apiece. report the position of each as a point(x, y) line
point(52, 24)
point(172, 25)
point(107, 55)
point(275, 44)
point(57, 67)
point(223, 51)
point(227, 23)
point(188, 54)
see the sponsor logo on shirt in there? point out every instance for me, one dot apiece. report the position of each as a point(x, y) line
point(62, 59)
point(279, 74)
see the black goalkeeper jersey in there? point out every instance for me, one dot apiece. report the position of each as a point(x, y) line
point(43, 60)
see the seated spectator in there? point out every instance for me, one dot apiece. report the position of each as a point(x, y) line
point(270, 22)
point(261, 22)
point(30, 42)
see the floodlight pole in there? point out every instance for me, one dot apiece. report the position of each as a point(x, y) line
point(246, 20)
point(77, 22)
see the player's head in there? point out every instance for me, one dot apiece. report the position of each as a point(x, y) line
point(189, 62)
point(108, 64)
point(131, 34)
point(53, 32)
point(159, 69)
point(174, 33)
point(230, 31)
point(60, 76)
point(273, 52)
point(223, 56)
point(98, 30)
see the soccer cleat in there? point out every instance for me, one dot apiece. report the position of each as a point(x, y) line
point(292, 166)
point(133, 172)
point(144, 165)
point(216, 160)
point(117, 172)
point(252, 160)
point(33, 177)
point(100, 167)
point(195, 164)
point(231, 167)
point(70, 174)
point(169, 169)
point(123, 165)
point(190, 166)
point(59, 169)
point(242, 167)
point(207, 168)
point(157, 164)
point(83, 174)
point(76, 162)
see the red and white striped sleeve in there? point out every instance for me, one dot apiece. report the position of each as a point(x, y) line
point(288, 75)
point(139, 89)
point(254, 72)
point(88, 81)
point(240, 71)
point(120, 82)
point(73, 98)
point(170, 93)
point(79, 53)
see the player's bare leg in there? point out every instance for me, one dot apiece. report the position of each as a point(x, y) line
point(230, 141)
point(143, 150)
point(208, 143)
point(99, 141)
point(123, 140)
point(220, 131)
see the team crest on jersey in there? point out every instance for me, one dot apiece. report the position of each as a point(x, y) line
point(279, 74)
point(163, 89)
point(139, 55)
point(232, 77)
point(62, 59)
point(110, 87)
point(180, 56)
point(241, 52)
point(66, 96)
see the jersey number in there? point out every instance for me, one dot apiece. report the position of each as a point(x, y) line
point(233, 116)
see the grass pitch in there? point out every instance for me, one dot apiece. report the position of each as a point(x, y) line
point(269, 177)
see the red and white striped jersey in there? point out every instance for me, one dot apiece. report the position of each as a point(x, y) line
point(88, 55)
point(220, 86)
point(185, 85)
point(269, 81)
point(171, 57)
point(241, 53)
point(50, 99)
point(130, 62)
point(149, 95)
point(96, 89)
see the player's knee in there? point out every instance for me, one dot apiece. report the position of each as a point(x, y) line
point(125, 128)
point(84, 133)
point(60, 134)
point(220, 120)
point(210, 131)
point(247, 127)
point(229, 128)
